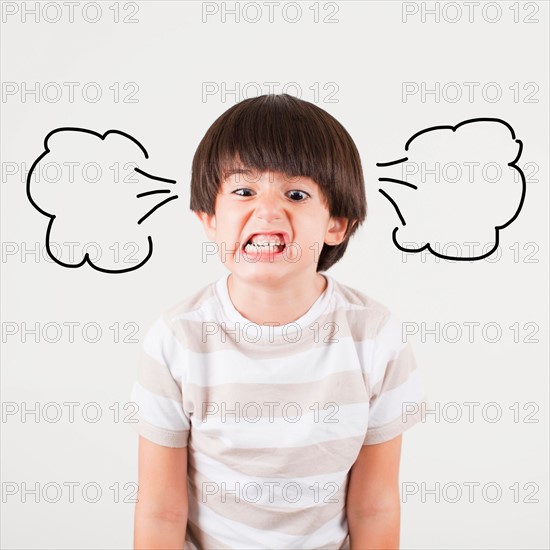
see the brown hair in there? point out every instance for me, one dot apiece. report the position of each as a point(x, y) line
point(282, 133)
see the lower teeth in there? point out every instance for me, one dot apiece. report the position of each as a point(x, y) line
point(256, 247)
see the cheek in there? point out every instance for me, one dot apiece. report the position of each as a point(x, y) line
point(234, 222)
point(230, 224)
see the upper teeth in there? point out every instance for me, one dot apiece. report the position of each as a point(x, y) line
point(265, 240)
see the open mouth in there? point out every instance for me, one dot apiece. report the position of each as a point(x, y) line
point(269, 243)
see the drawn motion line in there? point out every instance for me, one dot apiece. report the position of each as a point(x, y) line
point(156, 207)
point(391, 163)
point(147, 193)
point(394, 205)
point(392, 180)
point(156, 178)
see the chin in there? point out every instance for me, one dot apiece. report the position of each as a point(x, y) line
point(262, 273)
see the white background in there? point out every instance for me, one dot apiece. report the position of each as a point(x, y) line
point(368, 53)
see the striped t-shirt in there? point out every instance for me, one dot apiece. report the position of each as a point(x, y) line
point(273, 416)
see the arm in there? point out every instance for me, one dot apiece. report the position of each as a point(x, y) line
point(162, 507)
point(373, 501)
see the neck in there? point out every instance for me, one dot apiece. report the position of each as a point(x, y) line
point(274, 302)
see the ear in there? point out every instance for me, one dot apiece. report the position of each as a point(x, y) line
point(209, 223)
point(336, 231)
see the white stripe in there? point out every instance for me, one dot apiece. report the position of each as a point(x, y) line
point(233, 533)
point(364, 349)
point(208, 310)
point(389, 343)
point(238, 430)
point(161, 344)
point(268, 491)
point(226, 367)
point(153, 343)
point(389, 405)
point(159, 411)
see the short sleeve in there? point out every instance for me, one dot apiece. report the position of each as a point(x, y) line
point(157, 392)
point(397, 396)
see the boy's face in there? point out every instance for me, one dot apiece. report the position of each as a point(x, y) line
point(250, 202)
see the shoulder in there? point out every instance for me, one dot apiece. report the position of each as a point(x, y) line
point(192, 306)
point(358, 299)
point(366, 316)
point(186, 317)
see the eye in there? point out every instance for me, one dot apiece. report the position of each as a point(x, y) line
point(302, 192)
point(242, 189)
point(293, 192)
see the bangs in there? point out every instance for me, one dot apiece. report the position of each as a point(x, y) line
point(276, 135)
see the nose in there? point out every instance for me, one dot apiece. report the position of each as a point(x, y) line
point(269, 206)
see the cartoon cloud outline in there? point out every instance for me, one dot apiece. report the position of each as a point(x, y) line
point(52, 217)
point(427, 246)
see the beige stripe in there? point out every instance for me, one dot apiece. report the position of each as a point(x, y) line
point(161, 436)
point(324, 396)
point(290, 521)
point(191, 305)
point(366, 323)
point(156, 378)
point(203, 540)
point(320, 458)
point(357, 298)
point(397, 372)
point(394, 428)
point(211, 336)
point(193, 302)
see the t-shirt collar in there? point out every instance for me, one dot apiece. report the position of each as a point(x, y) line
point(231, 314)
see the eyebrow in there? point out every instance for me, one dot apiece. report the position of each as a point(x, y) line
point(228, 173)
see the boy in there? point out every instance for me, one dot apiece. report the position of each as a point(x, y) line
point(271, 400)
